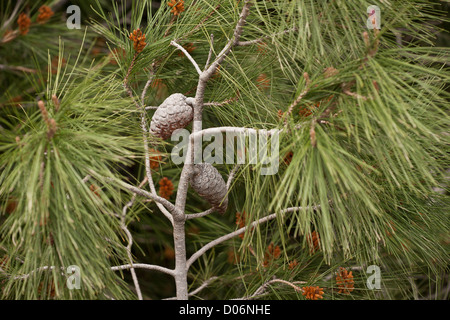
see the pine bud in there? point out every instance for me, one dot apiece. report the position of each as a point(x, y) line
point(174, 113)
point(209, 184)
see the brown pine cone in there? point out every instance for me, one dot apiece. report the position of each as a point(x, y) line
point(174, 113)
point(209, 184)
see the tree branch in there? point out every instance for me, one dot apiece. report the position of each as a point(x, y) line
point(226, 237)
point(200, 214)
point(262, 289)
point(13, 14)
point(143, 266)
point(203, 286)
point(211, 48)
point(130, 240)
point(149, 195)
point(144, 130)
point(187, 54)
point(232, 175)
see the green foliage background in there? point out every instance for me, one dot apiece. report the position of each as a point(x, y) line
point(374, 170)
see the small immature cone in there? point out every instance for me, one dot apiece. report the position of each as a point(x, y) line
point(55, 102)
point(209, 184)
point(174, 113)
point(44, 111)
point(52, 127)
point(45, 13)
point(24, 22)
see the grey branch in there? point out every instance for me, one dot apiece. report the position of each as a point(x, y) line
point(233, 234)
point(130, 240)
point(203, 286)
point(211, 49)
point(232, 175)
point(167, 204)
point(262, 290)
point(194, 63)
point(200, 214)
point(143, 266)
point(13, 14)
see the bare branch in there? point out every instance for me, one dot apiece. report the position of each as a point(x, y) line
point(26, 276)
point(220, 104)
point(200, 214)
point(143, 266)
point(149, 195)
point(203, 286)
point(262, 289)
point(232, 43)
point(347, 91)
point(232, 175)
point(301, 95)
point(144, 92)
point(13, 14)
point(233, 234)
point(144, 129)
point(211, 48)
point(17, 68)
point(130, 240)
point(194, 63)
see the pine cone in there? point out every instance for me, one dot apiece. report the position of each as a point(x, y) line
point(313, 293)
point(209, 184)
point(174, 113)
point(344, 281)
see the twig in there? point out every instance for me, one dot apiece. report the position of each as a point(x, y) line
point(262, 289)
point(230, 235)
point(211, 48)
point(144, 92)
point(146, 194)
point(13, 14)
point(17, 68)
point(232, 175)
point(346, 90)
point(125, 81)
point(143, 266)
point(187, 54)
point(130, 240)
point(203, 286)
point(200, 214)
point(144, 129)
point(220, 104)
point(26, 276)
point(301, 95)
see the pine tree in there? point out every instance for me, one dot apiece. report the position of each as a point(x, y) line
point(88, 180)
